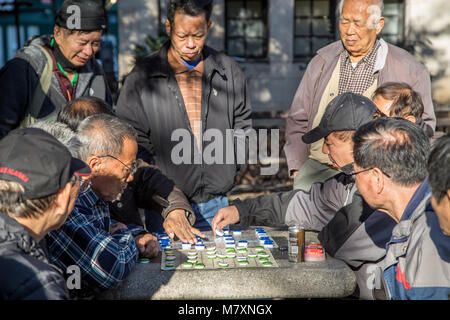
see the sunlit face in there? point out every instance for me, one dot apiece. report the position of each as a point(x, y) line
point(340, 152)
point(188, 35)
point(112, 178)
point(77, 47)
point(442, 209)
point(356, 36)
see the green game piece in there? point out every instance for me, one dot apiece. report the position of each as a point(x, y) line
point(144, 260)
point(252, 255)
point(199, 266)
point(259, 248)
point(243, 262)
point(263, 259)
point(267, 264)
point(263, 254)
point(221, 255)
point(230, 250)
point(188, 265)
point(242, 250)
point(223, 264)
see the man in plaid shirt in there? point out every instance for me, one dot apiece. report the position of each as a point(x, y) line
point(105, 251)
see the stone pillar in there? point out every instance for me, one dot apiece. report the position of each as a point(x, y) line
point(137, 19)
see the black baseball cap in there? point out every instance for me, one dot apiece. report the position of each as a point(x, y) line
point(348, 111)
point(38, 161)
point(92, 15)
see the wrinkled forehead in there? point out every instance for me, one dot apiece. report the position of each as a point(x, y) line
point(356, 8)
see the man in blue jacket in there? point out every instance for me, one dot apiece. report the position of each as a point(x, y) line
point(390, 172)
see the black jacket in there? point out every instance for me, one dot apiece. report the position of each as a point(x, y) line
point(150, 189)
point(152, 103)
point(25, 273)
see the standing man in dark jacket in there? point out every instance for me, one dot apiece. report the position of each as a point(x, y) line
point(34, 200)
point(186, 91)
point(52, 70)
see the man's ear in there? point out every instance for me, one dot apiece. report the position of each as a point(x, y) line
point(58, 34)
point(380, 25)
point(378, 180)
point(62, 199)
point(411, 119)
point(95, 164)
point(168, 28)
point(209, 26)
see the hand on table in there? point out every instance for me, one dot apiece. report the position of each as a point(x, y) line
point(147, 245)
point(225, 216)
point(176, 223)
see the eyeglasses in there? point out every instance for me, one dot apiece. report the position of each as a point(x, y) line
point(131, 170)
point(349, 170)
point(84, 184)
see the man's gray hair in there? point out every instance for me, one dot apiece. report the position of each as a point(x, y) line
point(103, 134)
point(375, 9)
point(63, 133)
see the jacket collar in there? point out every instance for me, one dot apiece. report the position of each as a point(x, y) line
point(415, 208)
point(13, 232)
point(332, 51)
point(162, 67)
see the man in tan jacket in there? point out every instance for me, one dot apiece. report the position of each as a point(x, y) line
point(359, 62)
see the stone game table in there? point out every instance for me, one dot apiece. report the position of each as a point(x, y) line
point(331, 278)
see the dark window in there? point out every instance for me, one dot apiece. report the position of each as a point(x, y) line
point(314, 26)
point(394, 13)
point(246, 29)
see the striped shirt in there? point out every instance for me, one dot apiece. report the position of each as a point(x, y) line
point(190, 84)
point(84, 240)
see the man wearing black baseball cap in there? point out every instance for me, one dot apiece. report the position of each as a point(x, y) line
point(347, 225)
point(51, 70)
point(39, 182)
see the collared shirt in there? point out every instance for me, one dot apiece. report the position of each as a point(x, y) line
point(84, 240)
point(190, 84)
point(359, 78)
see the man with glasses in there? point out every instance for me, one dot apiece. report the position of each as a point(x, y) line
point(391, 174)
point(348, 228)
point(105, 251)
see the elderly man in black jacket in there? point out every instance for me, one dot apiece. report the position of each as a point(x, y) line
point(51, 70)
point(34, 200)
point(183, 91)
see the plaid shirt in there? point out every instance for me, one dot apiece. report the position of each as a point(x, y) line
point(190, 84)
point(360, 78)
point(85, 240)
